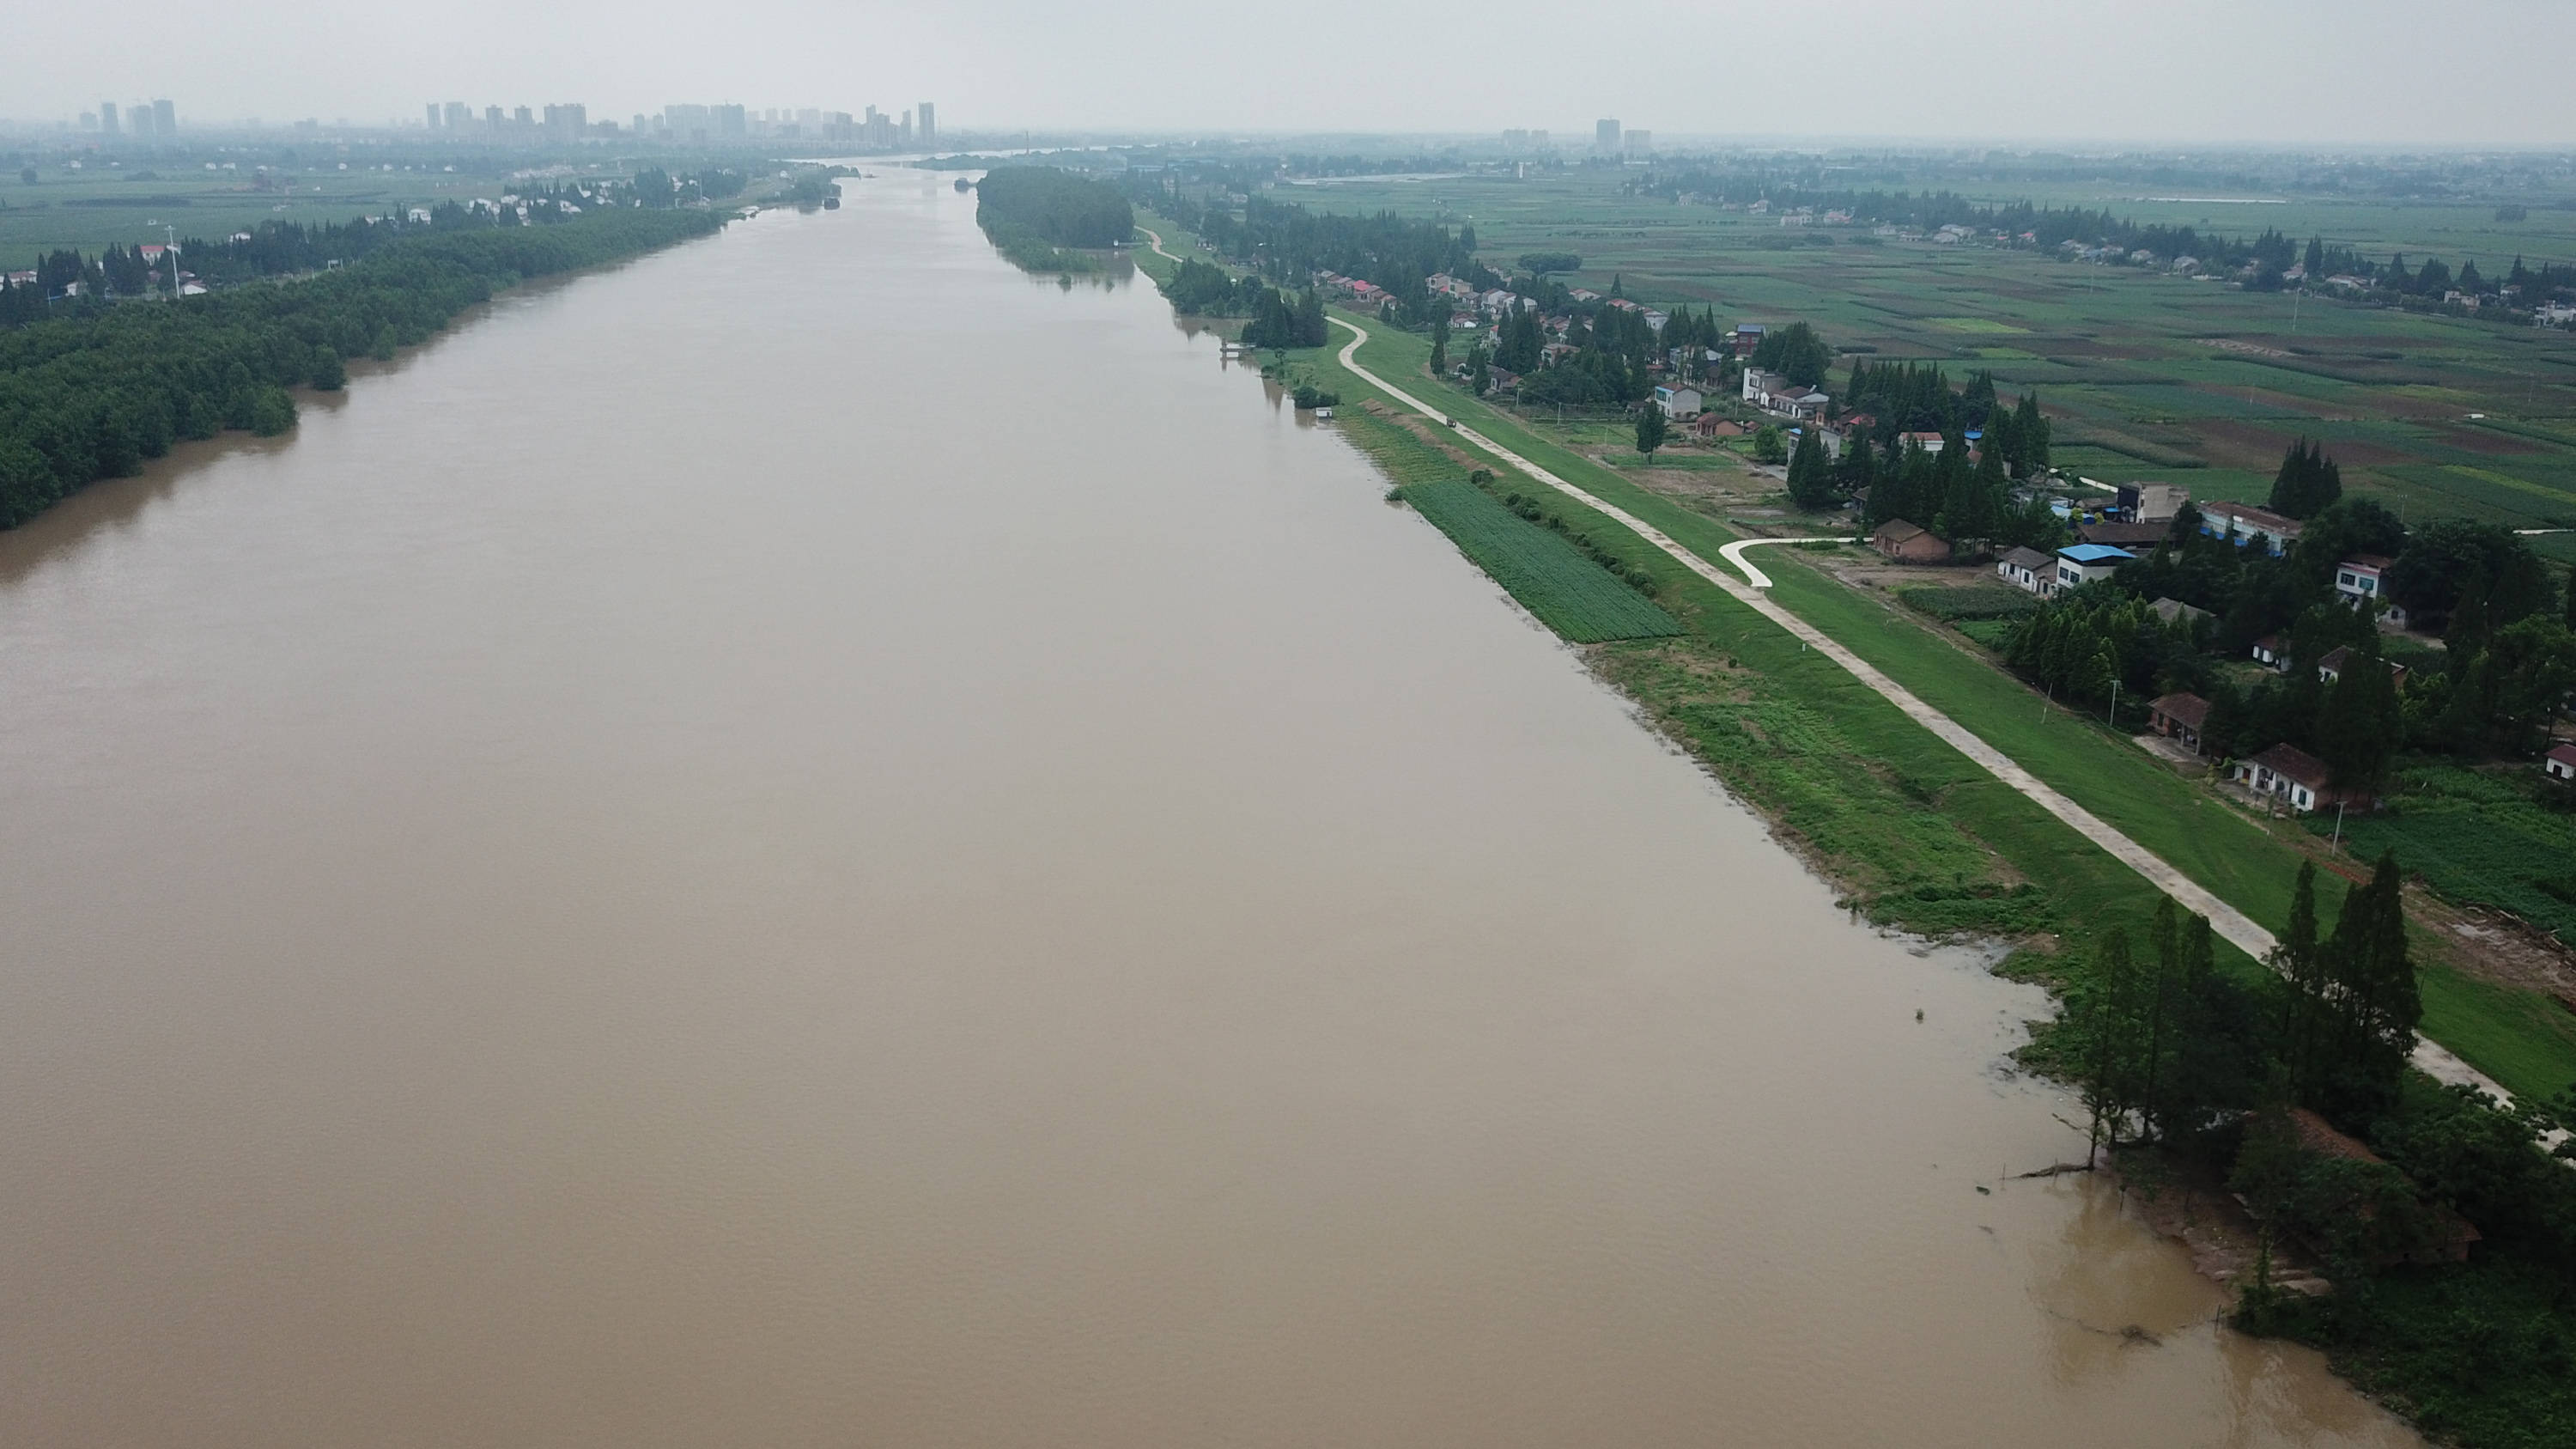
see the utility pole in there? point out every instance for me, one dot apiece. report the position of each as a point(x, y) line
point(170, 254)
point(2337, 846)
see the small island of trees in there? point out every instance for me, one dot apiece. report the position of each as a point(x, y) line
point(1039, 215)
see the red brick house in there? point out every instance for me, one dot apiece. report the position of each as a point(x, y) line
point(1909, 543)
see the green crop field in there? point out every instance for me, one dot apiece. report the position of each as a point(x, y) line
point(1552, 579)
point(2147, 375)
point(2480, 839)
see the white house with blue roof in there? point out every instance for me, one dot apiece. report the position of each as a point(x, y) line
point(2086, 563)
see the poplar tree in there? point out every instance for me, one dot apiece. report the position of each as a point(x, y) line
point(1650, 429)
point(2300, 959)
point(1811, 474)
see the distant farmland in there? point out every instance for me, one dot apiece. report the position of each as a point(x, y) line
point(2147, 375)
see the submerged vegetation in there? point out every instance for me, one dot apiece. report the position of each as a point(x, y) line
point(2445, 1232)
point(1041, 217)
point(95, 395)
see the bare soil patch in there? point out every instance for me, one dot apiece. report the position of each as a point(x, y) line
point(2260, 445)
point(2481, 440)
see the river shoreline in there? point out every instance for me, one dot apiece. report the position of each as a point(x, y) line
point(1669, 686)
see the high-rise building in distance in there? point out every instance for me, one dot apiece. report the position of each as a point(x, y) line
point(492, 118)
point(457, 115)
point(929, 124)
point(107, 118)
point(165, 118)
point(138, 119)
point(433, 115)
point(1640, 142)
point(1605, 137)
point(729, 121)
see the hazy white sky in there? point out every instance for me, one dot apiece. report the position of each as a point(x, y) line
point(2475, 72)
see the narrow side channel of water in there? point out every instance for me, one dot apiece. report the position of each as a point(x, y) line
point(807, 841)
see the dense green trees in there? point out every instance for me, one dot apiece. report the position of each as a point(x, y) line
point(1203, 289)
point(1907, 397)
point(2166, 1045)
point(1594, 376)
point(1796, 352)
point(2307, 482)
point(94, 395)
point(1056, 207)
point(2451, 564)
point(1279, 323)
point(2086, 642)
point(1539, 264)
point(2347, 1021)
point(1287, 244)
point(1522, 341)
point(1812, 483)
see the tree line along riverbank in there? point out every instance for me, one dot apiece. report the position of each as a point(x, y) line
point(1923, 839)
point(95, 395)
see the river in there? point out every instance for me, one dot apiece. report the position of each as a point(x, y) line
point(810, 841)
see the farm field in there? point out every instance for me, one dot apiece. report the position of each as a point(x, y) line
point(2145, 375)
point(1569, 593)
point(2480, 838)
point(130, 199)
point(89, 209)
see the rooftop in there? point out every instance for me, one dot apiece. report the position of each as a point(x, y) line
point(2187, 709)
point(2262, 518)
point(2095, 553)
point(2296, 764)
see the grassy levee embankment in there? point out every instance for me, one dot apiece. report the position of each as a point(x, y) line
point(1917, 832)
point(2520, 1038)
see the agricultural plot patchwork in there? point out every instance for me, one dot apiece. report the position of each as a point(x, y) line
point(1551, 578)
point(2146, 375)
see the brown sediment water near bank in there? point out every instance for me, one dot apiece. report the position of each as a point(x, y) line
point(804, 841)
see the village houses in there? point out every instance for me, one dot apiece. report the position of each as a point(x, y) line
point(2361, 581)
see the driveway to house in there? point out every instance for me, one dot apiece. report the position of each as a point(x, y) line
point(2240, 929)
point(1734, 553)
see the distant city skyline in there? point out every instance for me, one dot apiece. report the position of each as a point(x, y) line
point(2201, 72)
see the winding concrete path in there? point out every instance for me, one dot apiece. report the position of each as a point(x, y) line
point(1734, 553)
point(2240, 929)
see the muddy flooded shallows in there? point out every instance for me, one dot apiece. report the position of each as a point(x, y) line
point(805, 842)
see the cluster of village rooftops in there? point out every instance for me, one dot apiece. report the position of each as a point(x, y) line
point(2122, 533)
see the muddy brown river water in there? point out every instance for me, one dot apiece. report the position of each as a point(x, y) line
point(809, 842)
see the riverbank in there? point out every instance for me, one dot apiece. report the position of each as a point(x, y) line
point(1874, 798)
point(2242, 864)
point(96, 396)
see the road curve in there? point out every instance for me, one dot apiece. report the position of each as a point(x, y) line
point(1734, 553)
point(2240, 929)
